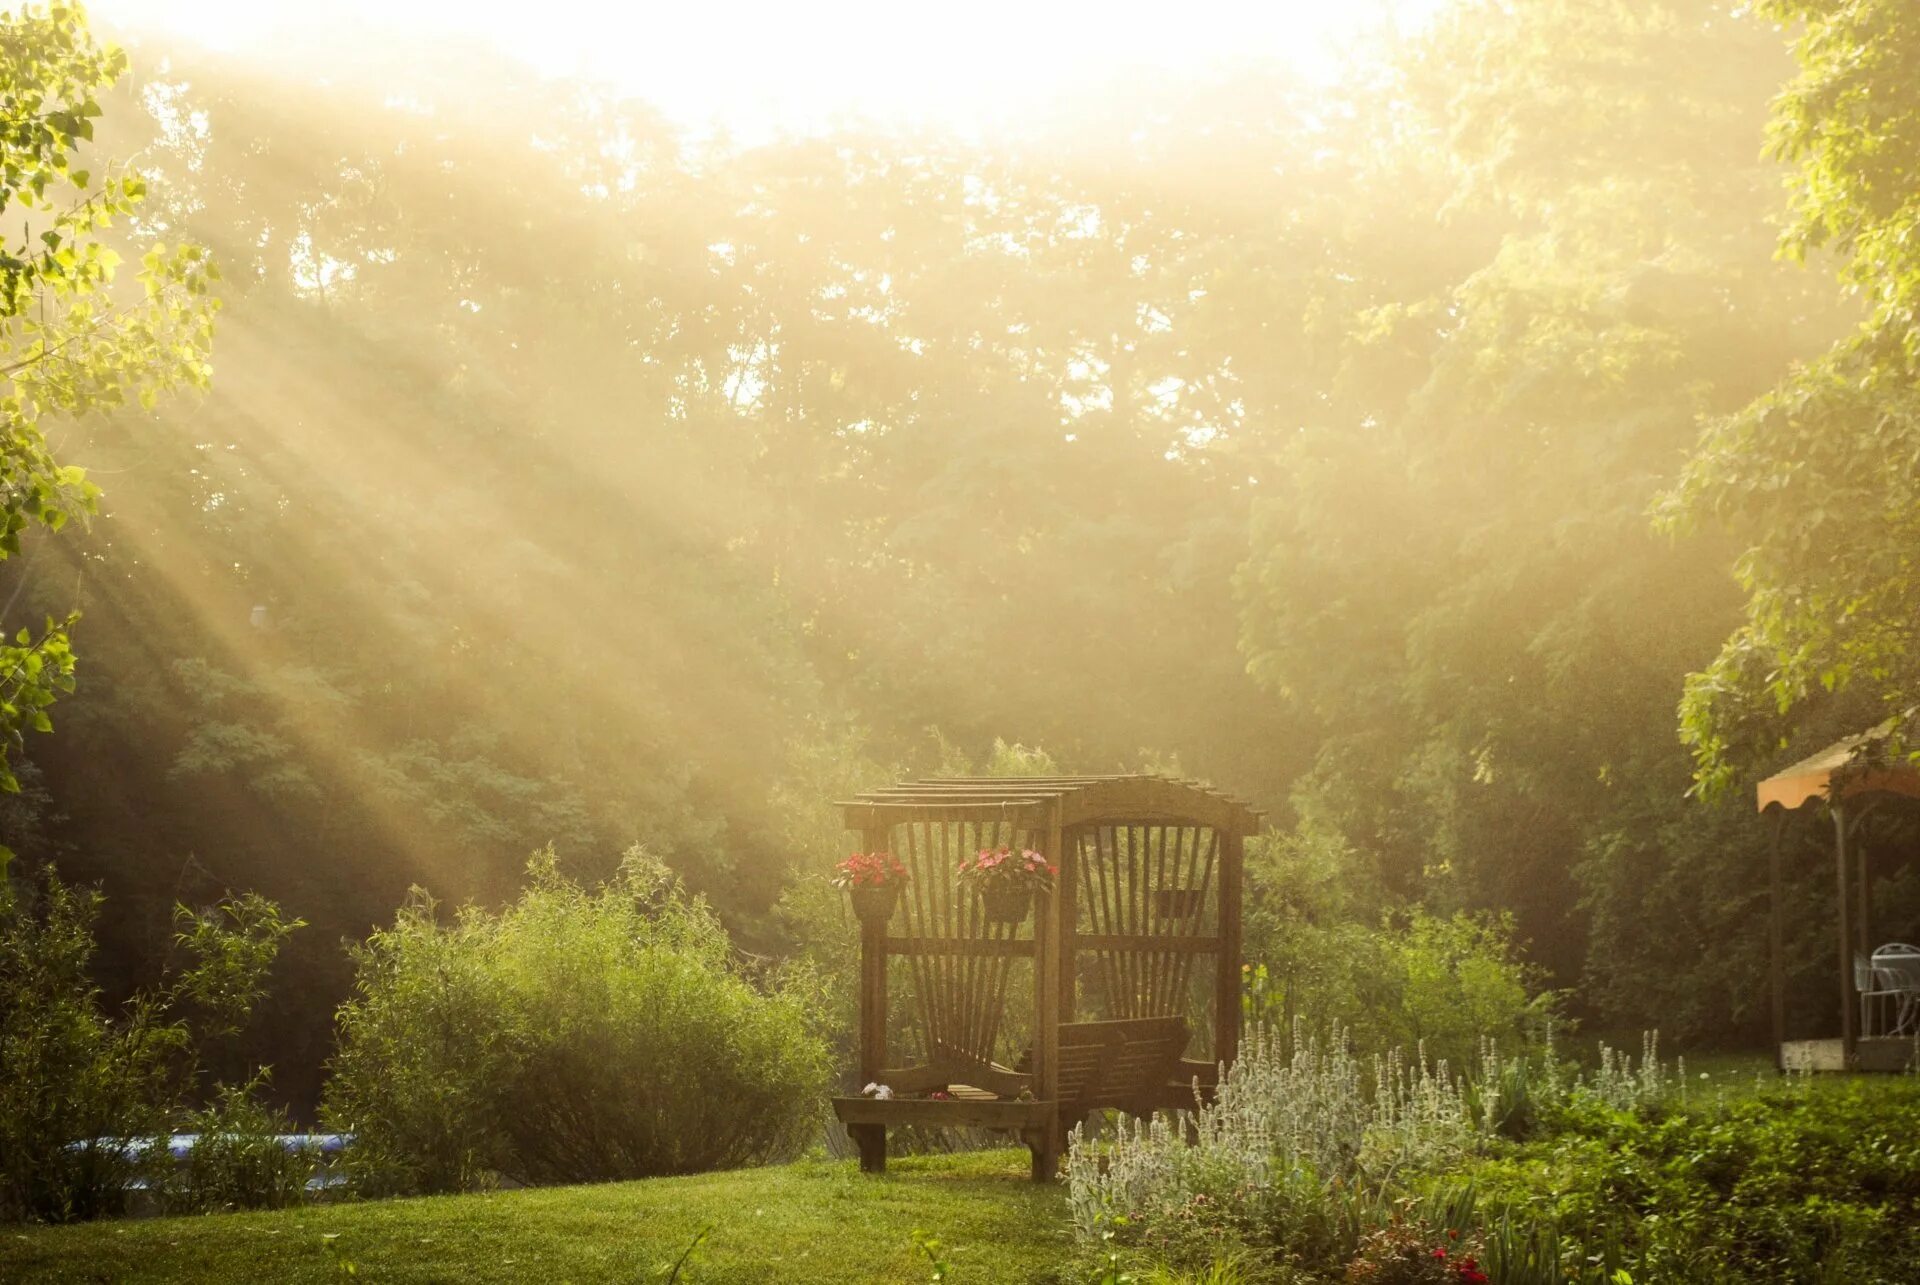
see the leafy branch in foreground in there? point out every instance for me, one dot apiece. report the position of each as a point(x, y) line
point(73, 339)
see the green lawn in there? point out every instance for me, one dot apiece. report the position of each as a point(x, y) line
point(814, 1221)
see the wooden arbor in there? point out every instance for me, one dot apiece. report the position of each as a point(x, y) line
point(1086, 1005)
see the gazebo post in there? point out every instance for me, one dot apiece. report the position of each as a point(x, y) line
point(1226, 986)
point(1848, 1002)
point(1863, 930)
point(1069, 927)
point(1776, 964)
point(1045, 1147)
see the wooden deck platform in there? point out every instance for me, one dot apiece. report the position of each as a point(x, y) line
point(1869, 1055)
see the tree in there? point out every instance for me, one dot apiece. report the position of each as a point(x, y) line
point(1451, 568)
point(1821, 475)
point(71, 341)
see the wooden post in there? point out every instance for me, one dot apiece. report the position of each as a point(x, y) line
point(1776, 953)
point(1069, 928)
point(1226, 1021)
point(1046, 1143)
point(1848, 994)
point(1863, 930)
point(872, 1138)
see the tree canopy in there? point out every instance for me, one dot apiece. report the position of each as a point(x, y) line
point(1820, 476)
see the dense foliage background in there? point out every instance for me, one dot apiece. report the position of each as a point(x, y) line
point(567, 480)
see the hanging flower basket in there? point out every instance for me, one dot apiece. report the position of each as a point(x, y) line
point(1007, 903)
point(873, 881)
point(1176, 903)
point(874, 903)
point(1006, 881)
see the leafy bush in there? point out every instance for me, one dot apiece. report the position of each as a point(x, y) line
point(428, 1048)
point(240, 1159)
point(76, 1088)
point(1805, 1182)
point(82, 1093)
point(1407, 979)
point(579, 1035)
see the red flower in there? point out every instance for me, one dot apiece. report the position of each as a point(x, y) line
point(869, 870)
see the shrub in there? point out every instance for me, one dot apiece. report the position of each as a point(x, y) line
point(1402, 1254)
point(84, 1094)
point(241, 1157)
point(428, 1048)
point(1442, 985)
point(579, 1035)
point(1818, 1183)
point(76, 1089)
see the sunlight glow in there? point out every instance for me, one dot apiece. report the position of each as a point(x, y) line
point(761, 67)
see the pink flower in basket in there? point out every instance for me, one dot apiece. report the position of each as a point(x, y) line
point(1001, 867)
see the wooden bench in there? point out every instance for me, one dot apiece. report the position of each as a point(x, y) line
point(1128, 1065)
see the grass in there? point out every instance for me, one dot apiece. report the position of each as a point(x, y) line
point(812, 1221)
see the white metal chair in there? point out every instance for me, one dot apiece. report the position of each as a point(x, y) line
point(1877, 998)
point(1896, 969)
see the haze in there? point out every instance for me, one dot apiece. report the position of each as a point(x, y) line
point(760, 67)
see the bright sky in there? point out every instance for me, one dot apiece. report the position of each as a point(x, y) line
point(759, 64)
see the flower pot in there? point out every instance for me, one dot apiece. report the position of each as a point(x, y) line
point(874, 903)
point(1176, 903)
point(1006, 903)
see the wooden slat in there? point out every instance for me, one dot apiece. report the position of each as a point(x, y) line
point(1011, 947)
point(959, 1113)
point(946, 1071)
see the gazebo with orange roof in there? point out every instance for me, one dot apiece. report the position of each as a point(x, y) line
point(1850, 777)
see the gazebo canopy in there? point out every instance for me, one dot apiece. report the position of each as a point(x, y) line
point(1136, 798)
point(1843, 769)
